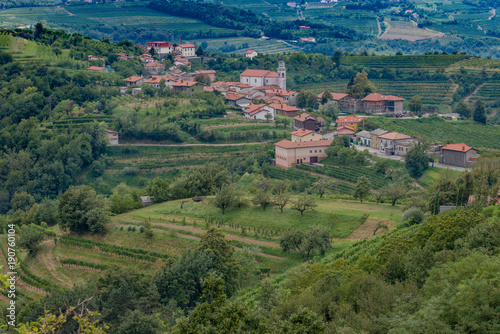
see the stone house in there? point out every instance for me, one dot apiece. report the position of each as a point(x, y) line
point(345, 102)
point(365, 138)
point(376, 103)
point(209, 73)
point(284, 110)
point(154, 68)
point(374, 140)
point(289, 154)
point(389, 141)
point(458, 155)
point(135, 80)
point(98, 69)
point(308, 122)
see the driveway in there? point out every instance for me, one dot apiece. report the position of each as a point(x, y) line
point(397, 157)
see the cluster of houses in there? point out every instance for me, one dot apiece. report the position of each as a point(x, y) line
point(373, 103)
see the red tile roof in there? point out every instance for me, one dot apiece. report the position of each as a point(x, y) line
point(376, 97)
point(457, 147)
point(302, 117)
point(159, 44)
point(301, 132)
point(394, 136)
point(185, 83)
point(259, 73)
point(335, 96)
point(154, 64)
point(111, 131)
point(345, 127)
point(186, 46)
point(250, 51)
point(313, 143)
point(157, 79)
point(283, 107)
point(205, 72)
point(344, 132)
point(268, 87)
point(95, 68)
point(133, 78)
point(233, 97)
point(349, 119)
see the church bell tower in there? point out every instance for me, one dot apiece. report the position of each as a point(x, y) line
point(281, 74)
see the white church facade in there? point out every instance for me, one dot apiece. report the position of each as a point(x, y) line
point(257, 78)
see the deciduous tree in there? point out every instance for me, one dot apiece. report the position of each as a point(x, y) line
point(363, 187)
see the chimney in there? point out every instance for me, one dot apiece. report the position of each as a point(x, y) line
point(463, 148)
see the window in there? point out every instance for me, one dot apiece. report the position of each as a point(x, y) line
point(310, 151)
point(319, 151)
point(315, 151)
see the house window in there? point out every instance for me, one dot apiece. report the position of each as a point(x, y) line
point(310, 151)
point(319, 151)
point(315, 151)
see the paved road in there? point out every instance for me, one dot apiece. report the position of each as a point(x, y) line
point(397, 157)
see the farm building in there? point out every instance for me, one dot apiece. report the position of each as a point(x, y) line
point(375, 141)
point(308, 122)
point(304, 135)
point(123, 90)
point(458, 155)
point(186, 50)
point(351, 121)
point(97, 69)
point(251, 54)
point(259, 111)
point(365, 138)
point(187, 87)
point(154, 68)
point(284, 110)
point(256, 78)
point(161, 48)
point(376, 103)
point(345, 102)
point(112, 137)
point(135, 80)
point(389, 141)
point(289, 154)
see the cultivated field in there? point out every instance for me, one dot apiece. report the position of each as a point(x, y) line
point(407, 30)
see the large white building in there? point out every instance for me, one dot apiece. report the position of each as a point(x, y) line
point(161, 48)
point(187, 50)
point(257, 78)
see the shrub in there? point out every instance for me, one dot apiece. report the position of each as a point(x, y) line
point(129, 228)
point(133, 228)
point(130, 170)
point(141, 229)
point(413, 216)
point(43, 224)
point(121, 228)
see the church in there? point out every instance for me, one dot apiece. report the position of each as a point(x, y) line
point(257, 78)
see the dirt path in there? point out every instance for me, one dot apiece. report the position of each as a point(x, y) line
point(379, 28)
point(236, 144)
point(387, 28)
point(49, 263)
point(229, 236)
point(65, 10)
point(493, 13)
point(366, 230)
point(193, 237)
point(467, 98)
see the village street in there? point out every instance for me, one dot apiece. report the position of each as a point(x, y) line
point(397, 157)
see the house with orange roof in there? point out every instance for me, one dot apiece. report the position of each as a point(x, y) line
point(186, 50)
point(256, 78)
point(345, 130)
point(251, 54)
point(304, 135)
point(238, 100)
point(345, 102)
point(284, 109)
point(92, 58)
point(146, 58)
point(376, 103)
point(458, 155)
point(154, 68)
point(258, 111)
point(289, 153)
point(161, 48)
point(98, 69)
point(187, 87)
point(390, 140)
point(135, 80)
point(308, 122)
point(122, 56)
point(352, 121)
point(155, 81)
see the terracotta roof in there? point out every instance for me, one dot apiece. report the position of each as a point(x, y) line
point(205, 72)
point(111, 131)
point(268, 87)
point(282, 92)
point(284, 107)
point(124, 87)
point(95, 68)
point(133, 78)
point(394, 136)
point(185, 83)
point(313, 143)
point(154, 64)
point(344, 131)
point(335, 96)
point(233, 97)
point(376, 97)
point(208, 89)
point(345, 127)
point(243, 85)
point(457, 147)
point(301, 132)
point(302, 117)
point(349, 119)
point(157, 79)
point(250, 51)
point(186, 46)
point(259, 73)
point(159, 44)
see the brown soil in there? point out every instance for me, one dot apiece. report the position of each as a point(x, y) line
point(366, 230)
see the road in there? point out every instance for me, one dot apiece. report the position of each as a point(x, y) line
point(397, 157)
point(236, 144)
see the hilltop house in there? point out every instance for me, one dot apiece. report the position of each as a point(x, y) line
point(376, 103)
point(97, 69)
point(458, 155)
point(187, 87)
point(308, 122)
point(154, 68)
point(304, 135)
point(389, 141)
point(289, 154)
point(351, 121)
point(375, 141)
point(259, 111)
point(186, 50)
point(256, 78)
point(135, 80)
point(161, 48)
point(251, 54)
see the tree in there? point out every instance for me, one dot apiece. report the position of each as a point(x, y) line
point(304, 202)
point(82, 210)
point(30, 237)
point(314, 238)
point(363, 187)
point(479, 112)
point(463, 109)
point(336, 58)
point(394, 191)
point(22, 201)
point(202, 78)
point(158, 188)
point(215, 242)
point(306, 99)
point(47, 212)
point(326, 96)
point(199, 51)
point(417, 160)
point(225, 197)
point(262, 197)
point(329, 109)
point(136, 322)
point(38, 31)
point(415, 104)
point(361, 86)
point(323, 185)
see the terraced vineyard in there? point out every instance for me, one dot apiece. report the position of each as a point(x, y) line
point(431, 92)
point(407, 62)
point(489, 92)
